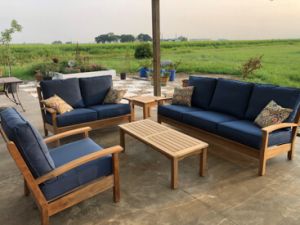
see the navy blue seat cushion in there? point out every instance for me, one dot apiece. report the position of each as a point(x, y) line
point(263, 94)
point(68, 90)
point(76, 116)
point(79, 175)
point(204, 88)
point(247, 133)
point(231, 97)
point(111, 110)
point(175, 111)
point(28, 141)
point(207, 120)
point(94, 89)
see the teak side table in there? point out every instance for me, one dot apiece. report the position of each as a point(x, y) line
point(146, 102)
point(171, 143)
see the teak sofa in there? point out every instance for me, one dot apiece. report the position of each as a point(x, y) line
point(223, 113)
point(86, 96)
point(60, 177)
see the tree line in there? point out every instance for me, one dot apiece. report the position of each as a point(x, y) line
point(111, 37)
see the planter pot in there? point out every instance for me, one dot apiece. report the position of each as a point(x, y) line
point(61, 76)
point(163, 81)
point(39, 77)
point(123, 76)
point(185, 83)
point(144, 72)
point(172, 75)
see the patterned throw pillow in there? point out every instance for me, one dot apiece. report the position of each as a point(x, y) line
point(183, 96)
point(57, 104)
point(114, 96)
point(272, 114)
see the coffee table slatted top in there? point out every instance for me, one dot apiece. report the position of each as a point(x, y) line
point(169, 141)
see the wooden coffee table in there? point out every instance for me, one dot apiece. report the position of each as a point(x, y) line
point(173, 144)
point(146, 102)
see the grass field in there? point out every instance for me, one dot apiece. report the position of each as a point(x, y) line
point(281, 58)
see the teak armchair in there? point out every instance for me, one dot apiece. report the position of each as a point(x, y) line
point(49, 206)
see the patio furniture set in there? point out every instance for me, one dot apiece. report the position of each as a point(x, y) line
point(221, 113)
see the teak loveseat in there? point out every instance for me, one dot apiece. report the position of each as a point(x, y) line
point(223, 113)
point(86, 96)
point(63, 176)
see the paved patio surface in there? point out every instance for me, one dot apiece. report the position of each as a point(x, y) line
point(231, 194)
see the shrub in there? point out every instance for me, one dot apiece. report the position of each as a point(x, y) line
point(143, 51)
point(250, 66)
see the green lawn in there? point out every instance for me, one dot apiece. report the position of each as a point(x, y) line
point(281, 58)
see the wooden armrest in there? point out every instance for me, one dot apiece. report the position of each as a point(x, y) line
point(165, 99)
point(279, 126)
point(57, 137)
point(77, 162)
point(50, 110)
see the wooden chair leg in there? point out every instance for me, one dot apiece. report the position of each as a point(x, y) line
point(46, 132)
point(116, 188)
point(262, 167)
point(290, 154)
point(158, 119)
point(26, 189)
point(44, 217)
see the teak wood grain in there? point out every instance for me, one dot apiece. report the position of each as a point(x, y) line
point(146, 102)
point(53, 206)
point(173, 144)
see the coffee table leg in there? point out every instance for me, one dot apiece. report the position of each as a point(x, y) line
point(122, 139)
point(149, 111)
point(174, 175)
point(132, 111)
point(145, 111)
point(203, 159)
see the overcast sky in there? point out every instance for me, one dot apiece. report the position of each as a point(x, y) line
point(82, 20)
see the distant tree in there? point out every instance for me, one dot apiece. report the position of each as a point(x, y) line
point(144, 38)
point(5, 39)
point(107, 38)
point(69, 42)
point(127, 38)
point(57, 42)
point(181, 38)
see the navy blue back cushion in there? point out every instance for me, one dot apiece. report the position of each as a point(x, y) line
point(262, 94)
point(231, 97)
point(94, 89)
point(204, 88)
point(28, 141)
point(68, 90)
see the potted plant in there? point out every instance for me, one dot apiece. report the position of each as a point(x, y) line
point(127, 66)
point(164, 77)
point(144, 68)
point(172, 67)
point(46, 71)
